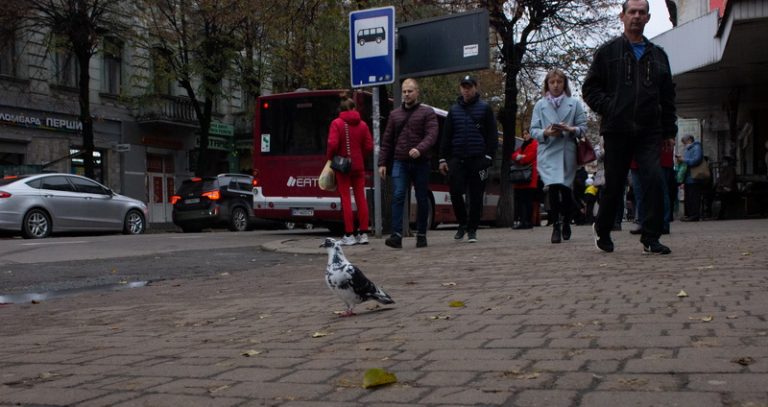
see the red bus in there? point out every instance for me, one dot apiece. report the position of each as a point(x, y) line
point(290, 133)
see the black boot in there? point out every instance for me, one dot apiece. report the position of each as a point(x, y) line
point(556, 238)
point(566, 229)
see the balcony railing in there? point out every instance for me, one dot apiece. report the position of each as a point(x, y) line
point(162, 108)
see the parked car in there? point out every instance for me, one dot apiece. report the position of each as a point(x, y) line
point(223, 200)
point(40, 204)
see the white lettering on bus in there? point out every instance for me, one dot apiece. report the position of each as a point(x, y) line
point(302, 182)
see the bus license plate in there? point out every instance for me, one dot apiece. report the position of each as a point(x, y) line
point(192, 201)
point(302, 212)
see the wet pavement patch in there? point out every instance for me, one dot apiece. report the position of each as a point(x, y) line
point(22, 298)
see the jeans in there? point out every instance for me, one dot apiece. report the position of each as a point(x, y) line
point(639, 211)
point(403, 173)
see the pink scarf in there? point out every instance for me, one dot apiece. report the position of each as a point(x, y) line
point(555, 100)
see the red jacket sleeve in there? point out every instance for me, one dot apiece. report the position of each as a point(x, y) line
point(333, 140)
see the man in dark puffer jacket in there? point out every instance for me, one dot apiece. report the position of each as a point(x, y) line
point(466, 152)
point(405, 148)
point(630, 86)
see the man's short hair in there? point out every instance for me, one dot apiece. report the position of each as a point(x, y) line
point(626, 3)
point(688, 137)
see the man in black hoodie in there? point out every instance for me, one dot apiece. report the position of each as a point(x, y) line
point(630, 86)
point(467, 148)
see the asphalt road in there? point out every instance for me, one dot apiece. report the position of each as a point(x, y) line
point(62, 265)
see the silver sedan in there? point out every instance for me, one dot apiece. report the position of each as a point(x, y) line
point(41, 204)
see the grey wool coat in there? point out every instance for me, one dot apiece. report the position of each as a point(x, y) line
point(556, 157)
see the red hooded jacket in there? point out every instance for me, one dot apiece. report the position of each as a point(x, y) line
point(360, 139)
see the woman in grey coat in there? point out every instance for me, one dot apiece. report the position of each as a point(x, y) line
point(557, 121)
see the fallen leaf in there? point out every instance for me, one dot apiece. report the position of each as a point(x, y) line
point(706, 318)
point(448, 284)
point(682, 294)
point(734, 316)
point(705, 267)
point(440, 317)
point(263, 316)
point(250, 353)
point(226, 273)
point(746, 253)
point(319, 334)
point(377, 377)
point(744, 361)
point(456, 304)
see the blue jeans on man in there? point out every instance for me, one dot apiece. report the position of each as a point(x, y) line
point(637, 188)
point(403, 174)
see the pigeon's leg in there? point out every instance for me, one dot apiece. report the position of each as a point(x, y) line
point(347, 313)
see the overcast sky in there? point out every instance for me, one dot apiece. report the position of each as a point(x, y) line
point(659, 19)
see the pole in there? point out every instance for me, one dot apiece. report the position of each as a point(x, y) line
point(377, 226)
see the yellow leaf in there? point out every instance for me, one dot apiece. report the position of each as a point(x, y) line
point(708, 318)
point(319, 334)
point(456, 304)
point(440, 317)
point(378, 377)
point(746, 254)
point(250, 353)
point(682, 294)
point(449, 284)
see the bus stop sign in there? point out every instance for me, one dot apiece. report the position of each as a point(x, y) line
point(372, 46)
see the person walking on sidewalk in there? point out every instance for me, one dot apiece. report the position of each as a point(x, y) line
point(466, 153)
point(405, 149)
point(557, 122)
point(629, 84)
point(692, 156)
point(349, 136)
point(525, 193)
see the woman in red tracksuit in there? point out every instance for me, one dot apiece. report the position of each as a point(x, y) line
point(525, 194)
point(349, 124)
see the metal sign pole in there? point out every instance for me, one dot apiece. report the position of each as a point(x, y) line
point(377, 226)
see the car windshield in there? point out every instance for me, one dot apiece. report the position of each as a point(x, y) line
point(198, 187)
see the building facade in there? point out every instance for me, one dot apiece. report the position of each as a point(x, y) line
point(146, 134)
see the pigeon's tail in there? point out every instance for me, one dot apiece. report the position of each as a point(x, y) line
point(382, 297)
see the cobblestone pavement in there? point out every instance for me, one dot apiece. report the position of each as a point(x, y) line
point(543, 325)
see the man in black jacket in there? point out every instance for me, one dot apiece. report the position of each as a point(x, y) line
point(630, 86)
point(467, 148)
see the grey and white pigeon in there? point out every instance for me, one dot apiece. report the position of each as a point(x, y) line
point(347, 281)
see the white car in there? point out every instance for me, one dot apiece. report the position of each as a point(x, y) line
point(41, 204)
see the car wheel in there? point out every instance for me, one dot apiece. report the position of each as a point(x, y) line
point(238, 220)
point(134, 223)
point(36, 224)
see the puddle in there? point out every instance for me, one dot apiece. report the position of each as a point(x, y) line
point(44, 296)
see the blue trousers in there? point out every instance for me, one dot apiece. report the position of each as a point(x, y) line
point(403, 174)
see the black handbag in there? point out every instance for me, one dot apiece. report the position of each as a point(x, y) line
point(340, 163)
point(520, 174)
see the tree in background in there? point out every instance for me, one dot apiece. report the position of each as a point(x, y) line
point(72, 26)
point(533, 36)
point(198, 41)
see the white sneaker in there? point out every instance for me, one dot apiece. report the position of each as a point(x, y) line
point(362, 238)
point(348, 240)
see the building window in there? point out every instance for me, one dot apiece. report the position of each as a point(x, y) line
point(67, 69)
point(161, 74)
point(8, 56)
point(78, 164)
point(113, 63)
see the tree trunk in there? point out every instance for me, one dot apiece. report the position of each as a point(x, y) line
point(84, 80)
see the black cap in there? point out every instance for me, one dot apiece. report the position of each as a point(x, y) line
point(468, 80)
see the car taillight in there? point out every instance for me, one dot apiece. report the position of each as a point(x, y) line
point(255, 182)
point(4, 194)
point(175, 199)
point(212, 195)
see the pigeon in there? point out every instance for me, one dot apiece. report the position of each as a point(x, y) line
point(347, 281)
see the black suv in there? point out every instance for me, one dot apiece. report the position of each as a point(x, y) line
point(223, 200)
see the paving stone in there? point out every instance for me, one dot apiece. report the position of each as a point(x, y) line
point(651, 399)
